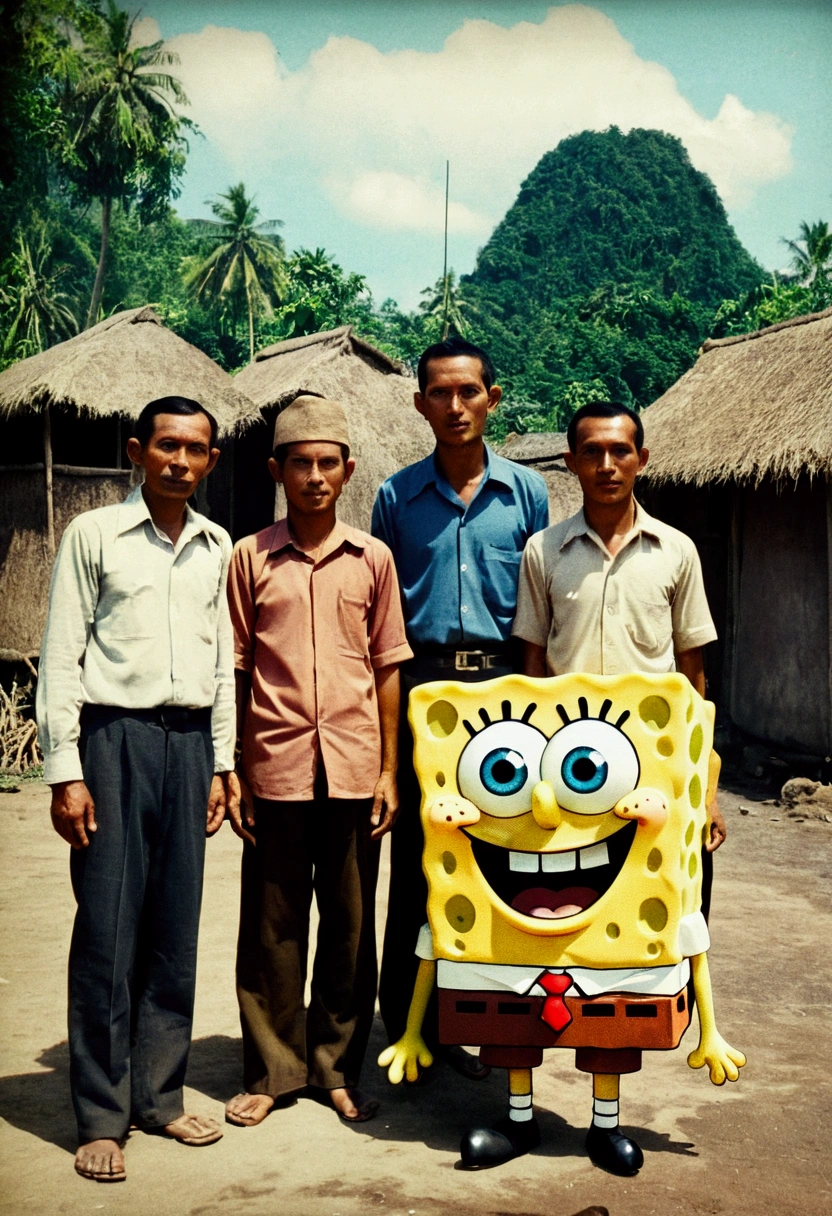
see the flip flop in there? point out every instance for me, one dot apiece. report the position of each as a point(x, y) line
point(100, 1174)
point(240, 1120)
point(367, 1107)
point(194, 1130)
point(465, 1064)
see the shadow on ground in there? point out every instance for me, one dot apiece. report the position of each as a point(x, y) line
point(435, 1112)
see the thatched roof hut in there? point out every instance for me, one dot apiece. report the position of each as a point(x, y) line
point(754, 406)
point(543, 452)
point(741, 460)
point(62, 449)
point(387, 432)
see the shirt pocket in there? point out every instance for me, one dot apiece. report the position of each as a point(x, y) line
point(650, 625)
point(353, 631)
point(129, 607)
point(500, 576)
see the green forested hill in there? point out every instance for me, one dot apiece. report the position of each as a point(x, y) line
point(607, 207)
point(604, 276)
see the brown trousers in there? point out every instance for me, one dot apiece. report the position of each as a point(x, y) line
point(322, 845)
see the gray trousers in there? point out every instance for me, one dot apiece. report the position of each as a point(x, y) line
point(132, 961)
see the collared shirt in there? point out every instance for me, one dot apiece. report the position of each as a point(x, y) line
point(312, 633)
point(458, 564)
point(610, 615)
point(524, 980)
point(136, 622)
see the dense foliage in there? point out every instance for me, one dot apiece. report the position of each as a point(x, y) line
point(614, 263)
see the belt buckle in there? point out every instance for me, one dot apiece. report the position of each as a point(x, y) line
point(462, 660)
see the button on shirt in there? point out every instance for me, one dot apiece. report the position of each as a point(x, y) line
point(312, 634)
point(135, 622)
point(458, 564)
point(606, 615)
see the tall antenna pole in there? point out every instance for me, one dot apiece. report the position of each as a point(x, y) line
point(445, 300)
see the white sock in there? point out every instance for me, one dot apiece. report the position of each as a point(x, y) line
point(605, 1112)
point(520, 1108)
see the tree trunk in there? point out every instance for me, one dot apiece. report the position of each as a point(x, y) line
point(98, 286)
point(250, 333)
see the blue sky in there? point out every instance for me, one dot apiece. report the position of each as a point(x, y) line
point(339, 116)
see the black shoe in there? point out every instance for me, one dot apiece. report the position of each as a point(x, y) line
point(483, 1147)
point(464, 1063)
point(611, 1150)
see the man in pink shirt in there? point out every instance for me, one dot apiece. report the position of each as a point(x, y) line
point(318, 637)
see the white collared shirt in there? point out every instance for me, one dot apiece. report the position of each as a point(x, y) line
point(136, 622)
point(608, 615)
point(524, 980)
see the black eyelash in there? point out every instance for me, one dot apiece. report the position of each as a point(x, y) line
point(585, 714)
point(507, 716)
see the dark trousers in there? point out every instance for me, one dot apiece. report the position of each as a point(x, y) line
point(408, 898)
point(132, 962)
point(323, 846)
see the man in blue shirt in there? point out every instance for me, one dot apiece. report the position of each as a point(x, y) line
point(457, 523)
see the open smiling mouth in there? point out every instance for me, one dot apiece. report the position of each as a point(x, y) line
point(549, 886)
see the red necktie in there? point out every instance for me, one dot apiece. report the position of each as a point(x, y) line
point(555, 1013)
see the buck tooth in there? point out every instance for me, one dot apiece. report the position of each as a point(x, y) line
point(555, 863)
point(527, 863)
point(595, 855)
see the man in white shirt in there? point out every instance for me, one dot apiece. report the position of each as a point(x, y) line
point(135, 709)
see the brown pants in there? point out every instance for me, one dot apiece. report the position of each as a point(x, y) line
point(322, 845)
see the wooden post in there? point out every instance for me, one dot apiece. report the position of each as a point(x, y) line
point(829, 605)
point(47, 469)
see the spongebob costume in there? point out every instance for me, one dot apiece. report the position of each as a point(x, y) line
point(563, 823)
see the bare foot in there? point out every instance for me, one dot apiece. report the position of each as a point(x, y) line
point(194, 1130)
point(247, 1110)
point(101, 1160)
point(352, 1105)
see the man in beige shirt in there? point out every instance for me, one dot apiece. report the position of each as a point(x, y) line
point(318, 636)
point(135, 710)
point(611, 589)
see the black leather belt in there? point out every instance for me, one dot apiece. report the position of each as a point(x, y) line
point(482, 658)
point(171, 717)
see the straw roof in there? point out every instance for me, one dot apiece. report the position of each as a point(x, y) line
point(535, 446)
point(117, 367)
point(752, 406)
point(543, 452)
point(377, 392)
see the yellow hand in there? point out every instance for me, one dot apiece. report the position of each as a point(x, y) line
point(403, 1059)
point(724, 1061)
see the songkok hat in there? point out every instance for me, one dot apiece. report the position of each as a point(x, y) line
point(312, 419)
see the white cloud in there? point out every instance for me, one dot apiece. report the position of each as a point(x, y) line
point(394, 201)
point(375, 128)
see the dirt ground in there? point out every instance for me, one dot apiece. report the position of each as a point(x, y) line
point(754, 1148)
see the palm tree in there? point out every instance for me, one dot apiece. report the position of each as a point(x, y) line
point(445, 300)
point(127, 137)
point(42, 311)
point(812, 252)
point(245, 272)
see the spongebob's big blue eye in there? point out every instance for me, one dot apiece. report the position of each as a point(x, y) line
point(584, 770)
point(503, 771)
point(590, 764)
point(500, 766)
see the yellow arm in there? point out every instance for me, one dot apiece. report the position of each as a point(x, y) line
point(724, 1061)
point(405, 1057)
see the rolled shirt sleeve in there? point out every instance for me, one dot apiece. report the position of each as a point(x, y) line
point(241, 608)
point(533, 620)
point(388, 642)
point(693, 625)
